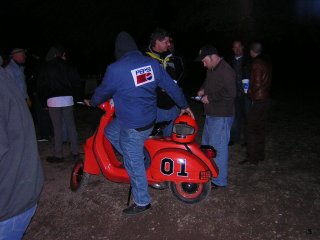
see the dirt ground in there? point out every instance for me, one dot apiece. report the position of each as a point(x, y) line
point(279, 199)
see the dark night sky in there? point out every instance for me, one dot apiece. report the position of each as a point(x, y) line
point(289, 30)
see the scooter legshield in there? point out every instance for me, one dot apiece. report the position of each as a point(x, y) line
point(90, 164)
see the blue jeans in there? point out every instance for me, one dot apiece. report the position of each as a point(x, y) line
point(216, 133)
point(130, 143)
point(14, 228)
point(167, 115)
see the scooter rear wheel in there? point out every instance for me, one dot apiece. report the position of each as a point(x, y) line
point(79, 178)
point(190, 192)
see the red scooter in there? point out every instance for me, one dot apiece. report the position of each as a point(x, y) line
point(176, 161)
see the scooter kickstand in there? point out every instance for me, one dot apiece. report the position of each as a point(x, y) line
point(129, 195)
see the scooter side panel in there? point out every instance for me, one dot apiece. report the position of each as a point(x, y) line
point(172, 164)
point(153, 145)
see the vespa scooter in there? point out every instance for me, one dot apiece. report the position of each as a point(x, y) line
point(176, 161)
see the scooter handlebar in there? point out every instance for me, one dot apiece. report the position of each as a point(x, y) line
point(107, 105)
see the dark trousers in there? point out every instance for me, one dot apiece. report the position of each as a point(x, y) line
point(241, 105)
point(59, 115)
point(257, 119)
point(43, 121)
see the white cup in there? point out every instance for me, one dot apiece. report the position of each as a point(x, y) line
point(245, 84)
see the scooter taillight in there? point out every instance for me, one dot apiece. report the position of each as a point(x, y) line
point(205, 175)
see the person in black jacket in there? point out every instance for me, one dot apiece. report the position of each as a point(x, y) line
point(158, 49)
point(57, 80)
point(39, 108)
point(241, 65)
point(21, 174)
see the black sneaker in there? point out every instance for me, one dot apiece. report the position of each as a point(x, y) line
point(245, 161)
point(214, 186)
point(76, 157)
point(54, 159)
point(134, 209)
point(159, 186)
point(249, 163)
point(244, 144)
point(42, 140)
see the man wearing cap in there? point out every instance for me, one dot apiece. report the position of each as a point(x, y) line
point(15, 69)
point(217, 95)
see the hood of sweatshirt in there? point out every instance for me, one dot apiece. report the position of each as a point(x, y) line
point(124, 43)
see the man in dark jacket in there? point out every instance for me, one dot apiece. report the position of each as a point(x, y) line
point(159, 49)
point(57, 80)
point(241, 66)
point(21, 175)
point(260, 81)
point(132, 81)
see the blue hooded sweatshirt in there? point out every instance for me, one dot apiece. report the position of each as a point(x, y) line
point(131, 81)
point(21, 174)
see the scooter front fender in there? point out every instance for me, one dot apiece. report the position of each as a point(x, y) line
point(173, 164)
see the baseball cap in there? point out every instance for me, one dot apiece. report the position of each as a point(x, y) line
point(17, 50)
point(206, 50)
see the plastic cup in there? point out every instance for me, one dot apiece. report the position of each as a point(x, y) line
point(245, 84)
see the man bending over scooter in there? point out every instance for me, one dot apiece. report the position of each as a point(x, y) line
point(131, 81)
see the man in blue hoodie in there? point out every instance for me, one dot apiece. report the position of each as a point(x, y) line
point(132, 81)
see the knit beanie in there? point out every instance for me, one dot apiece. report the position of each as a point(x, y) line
point(124, 43)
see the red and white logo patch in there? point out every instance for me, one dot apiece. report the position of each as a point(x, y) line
point(142, 75)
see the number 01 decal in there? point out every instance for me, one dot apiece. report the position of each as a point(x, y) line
point(167, 167)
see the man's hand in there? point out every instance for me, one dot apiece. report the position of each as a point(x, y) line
point(204, 99)
point(188, 111)
point(29, 103)
point(200, 93)
point(87, 102)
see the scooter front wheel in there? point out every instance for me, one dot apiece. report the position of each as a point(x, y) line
point(79, 178)
point(190, 192)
